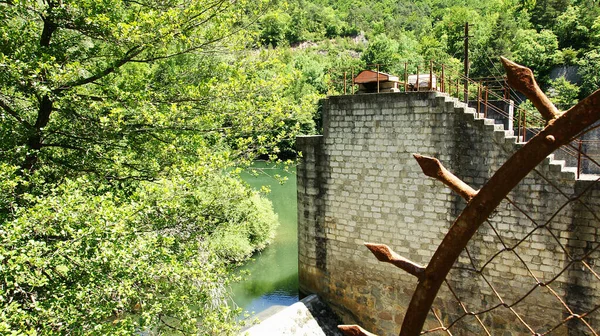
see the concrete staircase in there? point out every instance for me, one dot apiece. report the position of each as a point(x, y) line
point(511, 142)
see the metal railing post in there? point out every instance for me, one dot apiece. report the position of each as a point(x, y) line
point(518, 118)
point(524, 126)
point(485, 104)
point(457, 82)
point(345, 82)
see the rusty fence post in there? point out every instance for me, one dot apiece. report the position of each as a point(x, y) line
point(457, 82)
point(329, 82)
point(485, 104)
point(579, 149)
point(525, 126)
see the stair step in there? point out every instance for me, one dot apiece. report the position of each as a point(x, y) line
point(517, 141)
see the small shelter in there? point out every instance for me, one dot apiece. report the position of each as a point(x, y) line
point(372, 82)
point(423, 80)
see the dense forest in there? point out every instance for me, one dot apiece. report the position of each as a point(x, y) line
point(125, 123)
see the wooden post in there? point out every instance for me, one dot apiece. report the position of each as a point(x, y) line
point(405, 76)
point(485, 104)
point(430, 75)
point(377, 78)
point(417, 83)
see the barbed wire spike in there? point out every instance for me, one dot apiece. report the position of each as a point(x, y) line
point(432, 167)
point(385, 254)
point(521, 78)
point(354, 330)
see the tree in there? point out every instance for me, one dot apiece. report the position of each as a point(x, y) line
point(590, 72)
point(382, 50)
point(81, 80)
point(121, 122)
point(274, 28)
point(571, 30)
point(538, 50)
point(563, 93)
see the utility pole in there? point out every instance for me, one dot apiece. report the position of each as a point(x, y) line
point(466, 89)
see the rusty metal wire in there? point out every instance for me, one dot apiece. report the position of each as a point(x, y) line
point(505, 302)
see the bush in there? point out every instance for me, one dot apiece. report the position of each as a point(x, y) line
point(79, 261)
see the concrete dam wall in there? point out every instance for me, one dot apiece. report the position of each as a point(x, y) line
point(358, 182)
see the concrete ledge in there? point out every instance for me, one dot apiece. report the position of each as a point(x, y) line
point(309, 317)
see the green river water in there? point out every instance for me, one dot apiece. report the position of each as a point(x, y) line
point(273, 279)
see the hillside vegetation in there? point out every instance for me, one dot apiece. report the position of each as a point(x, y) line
point(346, 34)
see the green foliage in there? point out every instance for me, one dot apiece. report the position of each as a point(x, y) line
point(563, 93)
point(382, 50)
point(274, 28)
point(86, 262)
point(537, 50)
point(539, 34)
point(589, 69)
point(119, 121)
point(106, 91)
point(237, 241)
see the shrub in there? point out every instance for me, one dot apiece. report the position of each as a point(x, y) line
point(82, 261)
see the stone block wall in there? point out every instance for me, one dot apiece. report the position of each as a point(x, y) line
point(358, 182)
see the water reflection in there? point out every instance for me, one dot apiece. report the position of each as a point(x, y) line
point(273, 278)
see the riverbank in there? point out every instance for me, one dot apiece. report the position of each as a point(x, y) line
point(273, 272)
